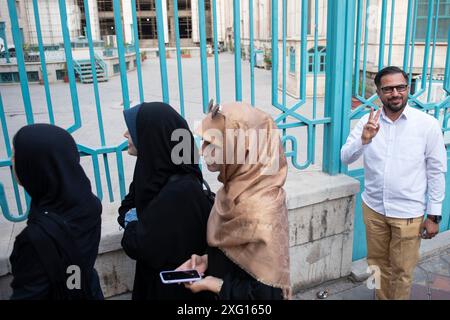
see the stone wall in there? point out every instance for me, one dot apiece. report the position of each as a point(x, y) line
point(321, 211)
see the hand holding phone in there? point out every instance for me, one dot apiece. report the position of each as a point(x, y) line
point(199, 263)
point(180, 276)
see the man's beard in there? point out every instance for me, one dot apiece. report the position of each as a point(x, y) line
point(395, 108)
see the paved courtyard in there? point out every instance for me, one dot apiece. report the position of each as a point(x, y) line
point(112, 106)
point(431, 282)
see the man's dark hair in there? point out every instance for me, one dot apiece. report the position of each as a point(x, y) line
point(389, 70)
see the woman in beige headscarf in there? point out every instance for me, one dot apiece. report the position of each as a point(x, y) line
point(247, 233)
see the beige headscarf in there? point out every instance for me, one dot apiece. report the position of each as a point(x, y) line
point(249, 220)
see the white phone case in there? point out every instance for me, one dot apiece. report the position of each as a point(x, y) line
point(178, 280)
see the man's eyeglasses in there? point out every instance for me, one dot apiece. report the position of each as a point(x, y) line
point(214, 109)
point(399, 88)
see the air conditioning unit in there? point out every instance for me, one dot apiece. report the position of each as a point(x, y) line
point(110, 41)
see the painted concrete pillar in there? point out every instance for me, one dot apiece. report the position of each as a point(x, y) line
point(165, 21)
point(93, 16)
point(127, 21)
point(195, 26)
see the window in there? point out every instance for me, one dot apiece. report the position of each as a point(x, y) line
point(60, 74)
point(6, 77)
point(184, 5)
point(105, 5)
point(321, 55)
point(80, 4)
point(83, 26)
point(107, 26)
point(33, 76)
point(292, 60)
point(443, 20)
point(147, 28)
point(116, 68)
point(145, 5)
point(185, 24)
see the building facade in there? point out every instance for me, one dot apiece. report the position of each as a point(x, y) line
point(262, 35)
point(316, 16)
point(50, 21)
point(103, 28)
point(102, 20)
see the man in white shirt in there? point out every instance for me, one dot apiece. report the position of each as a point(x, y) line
point(404, 177)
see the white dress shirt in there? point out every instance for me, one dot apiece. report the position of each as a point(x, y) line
point(404, 165)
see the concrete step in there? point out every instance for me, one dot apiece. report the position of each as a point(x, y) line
point(91, 81)
point(89, 70)
point(90, 76)
point(86, 67)
point(88, 63)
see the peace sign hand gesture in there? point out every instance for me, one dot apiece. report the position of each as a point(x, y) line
point(371, 128)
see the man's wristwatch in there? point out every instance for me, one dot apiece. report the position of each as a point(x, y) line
point(435, 219)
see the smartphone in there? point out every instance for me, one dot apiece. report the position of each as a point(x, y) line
point(179, 276)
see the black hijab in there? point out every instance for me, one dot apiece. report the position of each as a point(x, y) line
point(64, 222)
point(169, 199)
point(47, 164)
point(155, 123)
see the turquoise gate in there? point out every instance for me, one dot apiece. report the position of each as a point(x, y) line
point(424, 27)
point(342, 53)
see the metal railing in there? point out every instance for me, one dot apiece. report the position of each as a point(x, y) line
point(84, 69)
point(391, 51)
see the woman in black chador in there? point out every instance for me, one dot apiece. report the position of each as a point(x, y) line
point(54, 256)
point(166, 210)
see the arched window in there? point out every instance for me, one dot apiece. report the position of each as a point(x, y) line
point(321, 54)
point(292, 60)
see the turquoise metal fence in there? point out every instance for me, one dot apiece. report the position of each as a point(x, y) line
point(421, 98)
point(346, 73)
